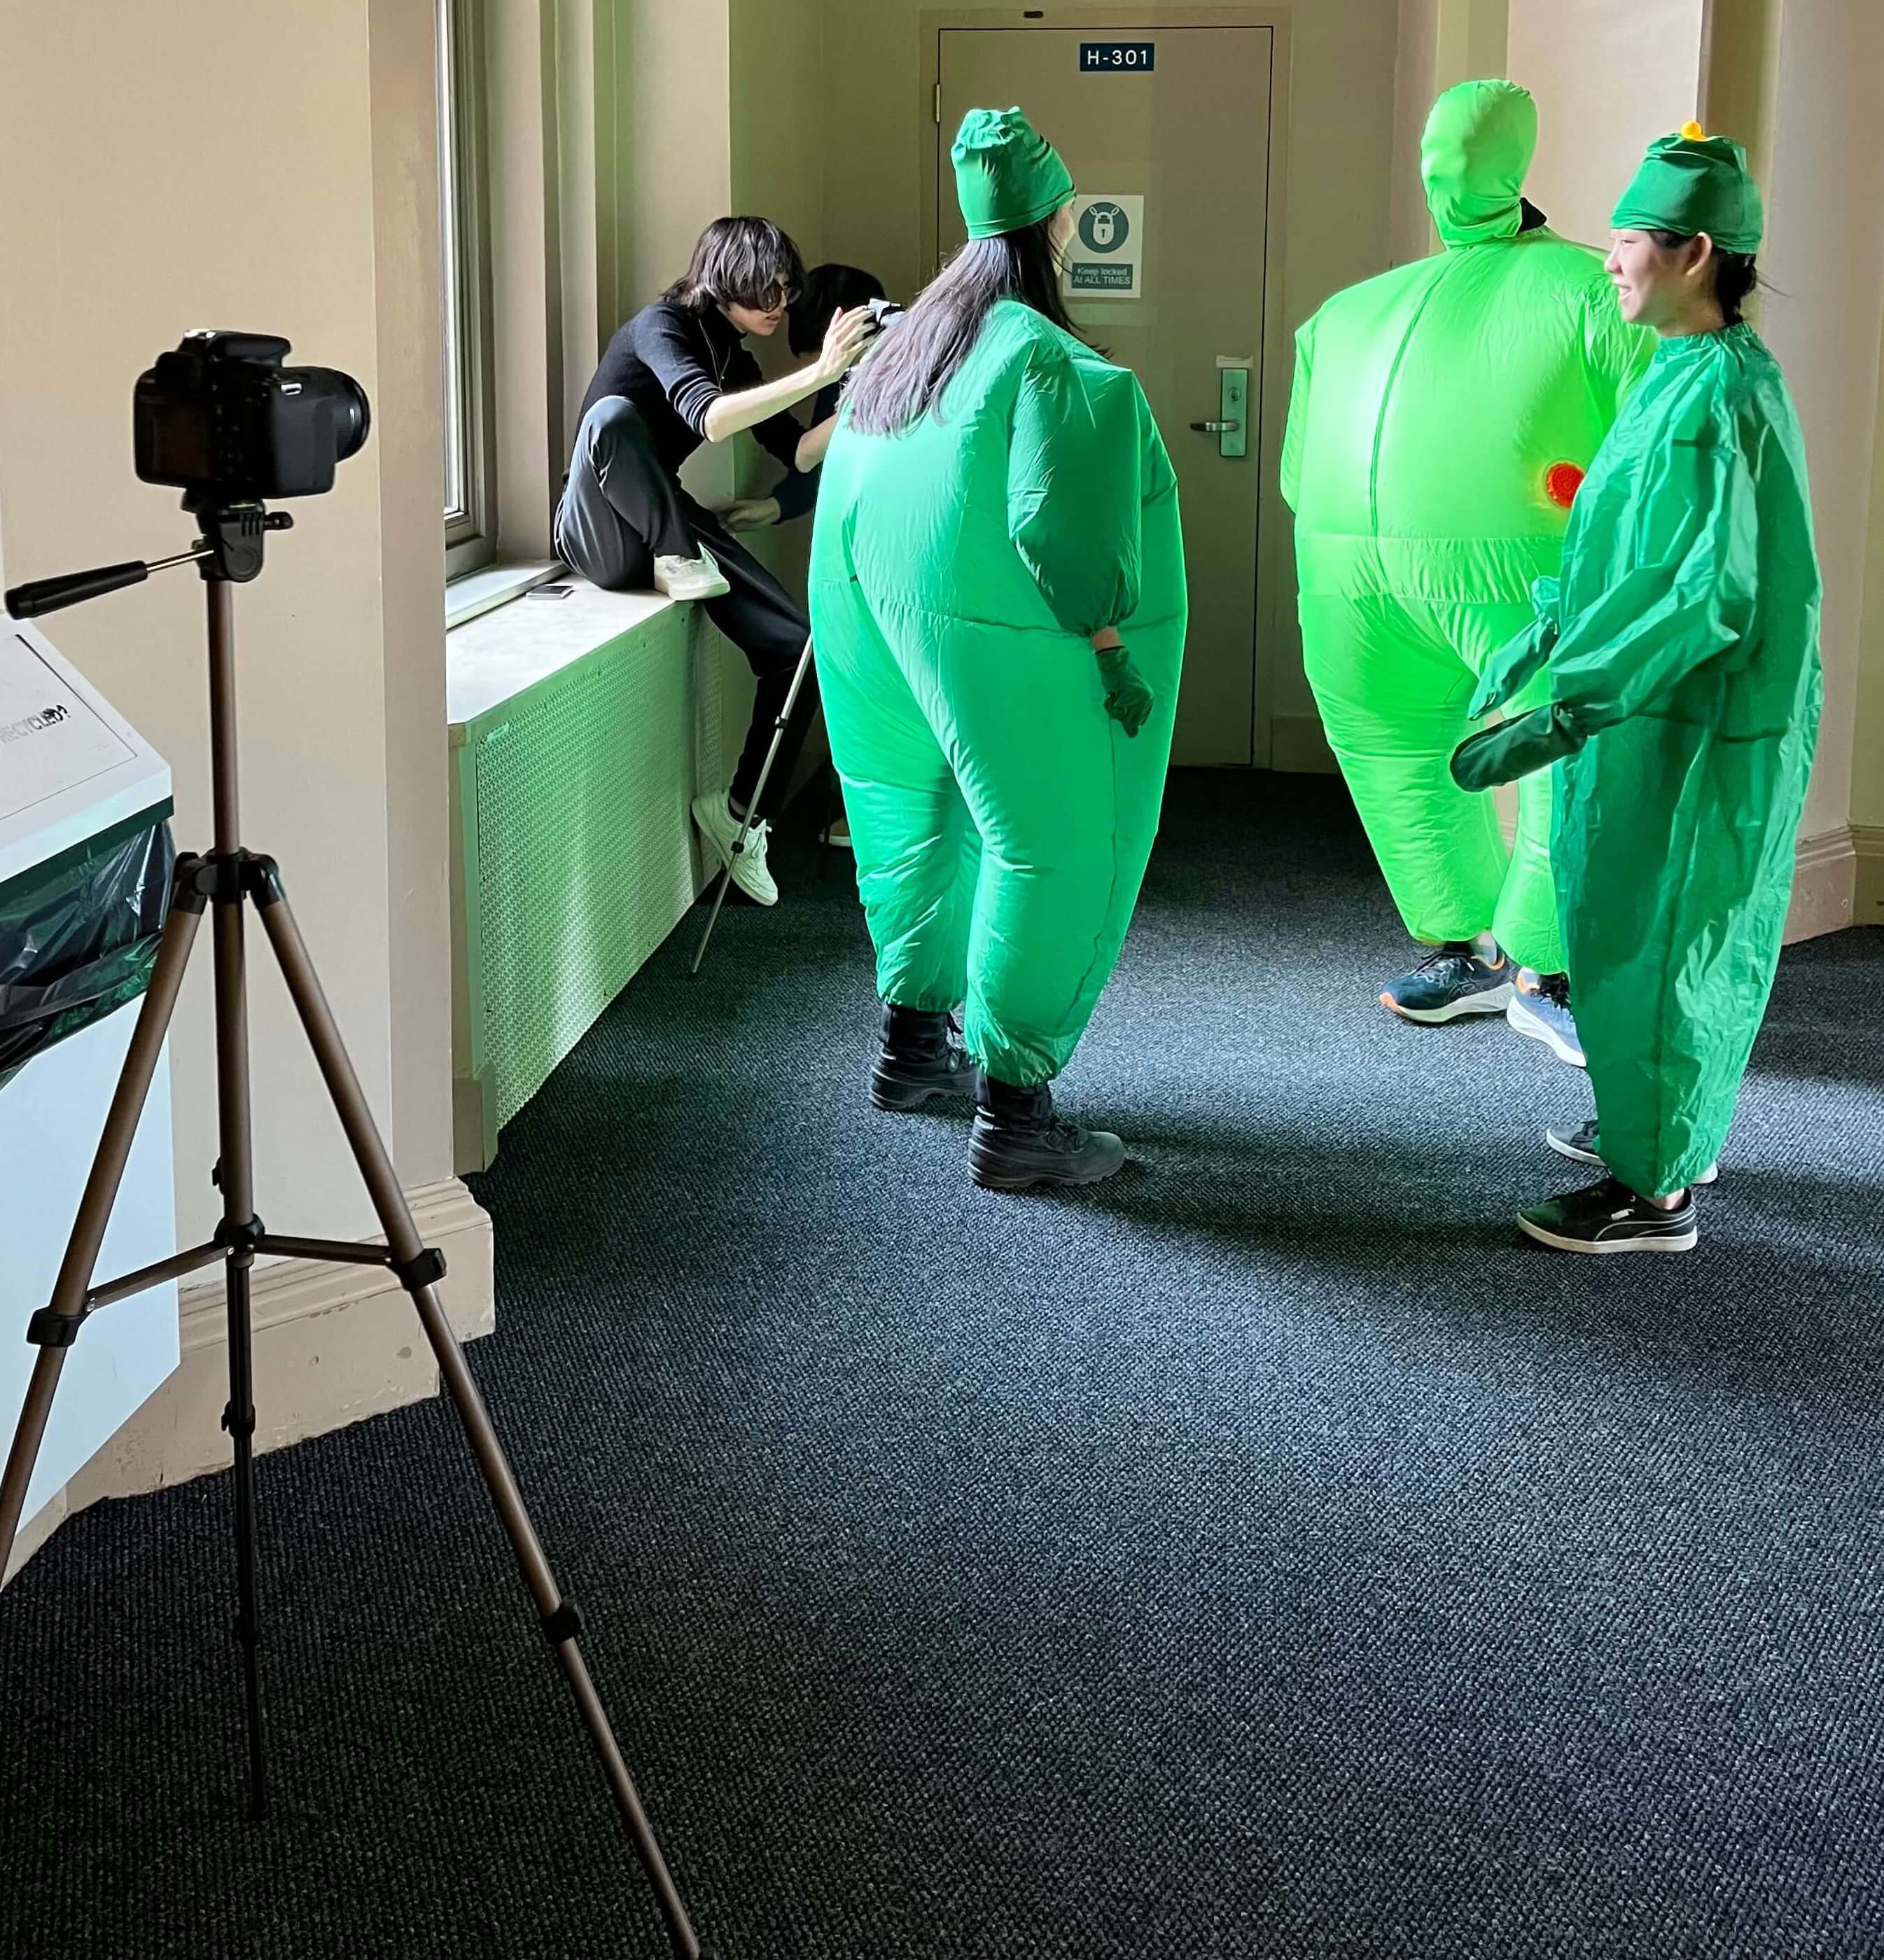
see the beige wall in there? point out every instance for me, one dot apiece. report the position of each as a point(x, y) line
point(1608, 75)
point(1825, 256)
point(1410, 233)
point(1739, 72)
point(1867, 750)
point(405, 455)
point(779, 122)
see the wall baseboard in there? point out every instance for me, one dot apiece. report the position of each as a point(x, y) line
point(1825, 886)
point(333, 1345)
point(1867, 841)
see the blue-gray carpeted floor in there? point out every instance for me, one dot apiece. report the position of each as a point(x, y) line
point(1265, 1554)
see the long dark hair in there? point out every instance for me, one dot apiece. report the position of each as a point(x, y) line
point(1735, 273)
point(746, 261)
point(829, 289)
point(903, 377)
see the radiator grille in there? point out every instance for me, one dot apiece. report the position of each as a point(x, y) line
point(585, 854)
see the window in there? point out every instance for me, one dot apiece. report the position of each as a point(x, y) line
point(470, 511)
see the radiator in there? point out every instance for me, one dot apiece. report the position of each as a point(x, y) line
point(573, 853)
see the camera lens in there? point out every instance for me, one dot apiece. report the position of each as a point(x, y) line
point(350, 416)
point(347, 414)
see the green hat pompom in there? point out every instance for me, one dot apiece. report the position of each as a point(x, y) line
point(1007, 175)
point(1690, 183)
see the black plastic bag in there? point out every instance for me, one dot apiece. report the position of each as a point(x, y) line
point(78, 937)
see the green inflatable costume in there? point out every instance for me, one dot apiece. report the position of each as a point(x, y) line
point(1442, 416)
point(1002, 811)
point(1679, 649)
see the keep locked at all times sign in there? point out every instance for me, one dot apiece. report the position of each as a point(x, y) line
point(1106, 259)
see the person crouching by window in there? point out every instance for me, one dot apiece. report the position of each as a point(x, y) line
point(828, 290)
point(678, 374)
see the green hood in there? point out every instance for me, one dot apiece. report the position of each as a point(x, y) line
point(1478, 144)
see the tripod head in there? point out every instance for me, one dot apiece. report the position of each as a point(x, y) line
point(228, 550)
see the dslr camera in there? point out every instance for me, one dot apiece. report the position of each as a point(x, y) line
point(221, 419)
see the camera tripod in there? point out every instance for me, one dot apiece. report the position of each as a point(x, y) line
point(747, 823)
point(230, 878)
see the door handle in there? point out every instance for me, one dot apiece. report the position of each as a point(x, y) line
point(1230, 425)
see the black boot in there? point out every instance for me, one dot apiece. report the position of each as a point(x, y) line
point(918, 1060)
point(1018, 1141)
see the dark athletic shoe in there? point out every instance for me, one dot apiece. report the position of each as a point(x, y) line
point(1609, 1217)
point(1580, 1146)
point(920, 1059)
point(1452, 980)
point(1540, 1009)
point(1018, 1141)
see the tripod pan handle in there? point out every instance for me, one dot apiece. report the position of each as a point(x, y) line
point(47, 595)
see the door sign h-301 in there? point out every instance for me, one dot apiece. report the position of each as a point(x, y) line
point(1106, 256)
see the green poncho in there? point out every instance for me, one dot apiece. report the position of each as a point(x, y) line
point(1442, 416)
point(1680, 646)
point(1002, 819)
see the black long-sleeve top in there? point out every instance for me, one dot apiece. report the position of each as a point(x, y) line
point(673, 363)
point(799, 492)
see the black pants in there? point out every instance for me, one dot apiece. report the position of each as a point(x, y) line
point(621, 510)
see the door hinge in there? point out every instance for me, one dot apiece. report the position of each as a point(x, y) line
point(938, 105)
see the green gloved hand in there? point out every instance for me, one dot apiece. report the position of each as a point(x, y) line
point(1129, 701)
point(1512, 665)
point(1514, 749)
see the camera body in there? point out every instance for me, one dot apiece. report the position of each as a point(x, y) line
point(222, 419)
point(883, 312)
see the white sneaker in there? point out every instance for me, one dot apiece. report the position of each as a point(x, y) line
point(837, 834)
point(690, 577)
point(713, 817)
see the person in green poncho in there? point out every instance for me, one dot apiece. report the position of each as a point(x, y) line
point(997, 598)
point(1442, 416)
point(1680, 647)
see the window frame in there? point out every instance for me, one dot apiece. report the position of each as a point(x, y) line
point(471, 534)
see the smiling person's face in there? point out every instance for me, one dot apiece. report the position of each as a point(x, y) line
point(1662, 286)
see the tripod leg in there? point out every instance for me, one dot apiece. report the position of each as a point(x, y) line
point(236, 1174)
point(560, 1621)
point(101, 1190)
point(758, 791)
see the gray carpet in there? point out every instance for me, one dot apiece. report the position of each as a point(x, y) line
point(1266, 1553)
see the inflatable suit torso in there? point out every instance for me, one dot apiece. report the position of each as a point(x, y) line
point(1001, 820)
point(1442, 416)
point(1682, 677)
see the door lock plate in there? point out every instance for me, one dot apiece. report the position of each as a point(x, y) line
point(1232, 432)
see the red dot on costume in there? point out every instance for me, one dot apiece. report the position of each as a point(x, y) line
point(1561, 482)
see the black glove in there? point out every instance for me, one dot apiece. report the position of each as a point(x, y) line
point(1514, 749)
point(1129, 701)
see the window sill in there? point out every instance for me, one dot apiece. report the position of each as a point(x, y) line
point(493, 659)
point(496, 585)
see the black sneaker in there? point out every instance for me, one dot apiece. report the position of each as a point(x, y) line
point(1452, 980)
point(1609, 1217)
point(1018, 1141)
point(1580, 1146)
point(920, 1059)
point(1540, 1010)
